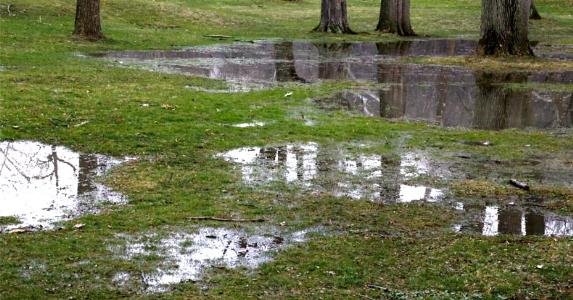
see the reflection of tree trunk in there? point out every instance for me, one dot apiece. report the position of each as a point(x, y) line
point(496, 106)
point(285, 65)
point(534, 224)
point(477, 213)
point(390, 189)
point(510, 221)
point(393, 100)
point(504, 28)
point(87, 167)
point(333, 17)
point(333, 70)
point(533, 13)
point(395, 17)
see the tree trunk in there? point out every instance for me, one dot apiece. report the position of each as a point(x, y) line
point(533, 13)
point(504, 28)
point(88, 24)
point(395, 17)
point(333, 17)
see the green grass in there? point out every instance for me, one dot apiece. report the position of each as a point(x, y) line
point(46, 89)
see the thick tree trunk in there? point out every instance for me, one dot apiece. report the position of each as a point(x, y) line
point(395, 17)
point(533, 13)
point(333, 17)
point(504, 28)
point(88, 24)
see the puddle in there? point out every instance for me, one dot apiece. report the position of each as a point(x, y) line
point(476, 101)
point(189, 255)
point(450, 96)
point(338, 172)
point(247, 125)
point(247, 66)
point(43, 184)
point(492, 220)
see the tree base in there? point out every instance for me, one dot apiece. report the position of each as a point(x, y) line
point(493, 45)
point(89, 37)
point(333, 28)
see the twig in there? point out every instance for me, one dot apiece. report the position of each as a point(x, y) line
point(225, 220)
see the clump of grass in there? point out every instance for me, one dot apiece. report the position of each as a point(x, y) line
point(10, 220)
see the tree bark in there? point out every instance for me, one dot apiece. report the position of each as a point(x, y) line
point(88, 22)
point(333, 17)
point(395, 17)
point(533, 13)
point(504, 28)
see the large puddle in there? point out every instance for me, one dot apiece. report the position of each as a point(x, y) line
point(339, 172)
point(450, 96)
point(189, 255)
point(392, 179)
point(43, 184)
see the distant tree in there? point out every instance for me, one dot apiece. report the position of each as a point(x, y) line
point(533, 13)
point(395, 17)
point(88, 22)
point(333, 17)
point(504, 28)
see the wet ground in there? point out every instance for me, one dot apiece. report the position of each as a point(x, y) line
point(42, 184)
point(189, 255)
point(449, 96)
point(408, 177)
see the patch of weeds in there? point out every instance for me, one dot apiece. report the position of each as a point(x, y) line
point(9, 220)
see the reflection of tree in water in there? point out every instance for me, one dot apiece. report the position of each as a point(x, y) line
point(496, 105)
point(332, 64)
point(52, 160)
point(285, 63)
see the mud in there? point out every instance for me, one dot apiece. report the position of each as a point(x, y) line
point(43, 184)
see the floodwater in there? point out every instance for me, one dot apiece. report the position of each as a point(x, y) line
point(491, 220)
point(42, 184)
point(189, 255)
point(446, 95)
point(339, 172)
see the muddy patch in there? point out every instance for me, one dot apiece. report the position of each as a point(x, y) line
point(187, 256)
point(339, 172)
point(43, 184)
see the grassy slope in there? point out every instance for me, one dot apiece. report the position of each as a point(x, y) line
point(46, 88)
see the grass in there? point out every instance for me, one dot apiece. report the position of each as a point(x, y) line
point(46, 89)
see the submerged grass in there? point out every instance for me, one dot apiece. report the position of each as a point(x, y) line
point(52, 94)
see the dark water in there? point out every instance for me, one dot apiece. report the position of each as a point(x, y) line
point(42, 184)
point(449, 96)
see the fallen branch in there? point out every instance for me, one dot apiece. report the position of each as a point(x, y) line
point(519, 184)
point(225, 220)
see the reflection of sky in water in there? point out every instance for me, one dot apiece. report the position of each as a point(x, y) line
point(358, 176)
point(41, 184)
point(494, 220)
point(188, 255)
point(247, 125)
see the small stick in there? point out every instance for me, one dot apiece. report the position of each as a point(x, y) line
point(519, 184)
point(225, 220)
point(9, 8)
